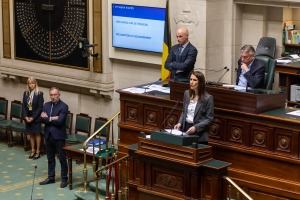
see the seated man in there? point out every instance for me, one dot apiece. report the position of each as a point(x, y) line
point(250, 72)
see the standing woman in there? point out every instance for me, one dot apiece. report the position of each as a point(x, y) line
point(198, 109)
point(32, 105)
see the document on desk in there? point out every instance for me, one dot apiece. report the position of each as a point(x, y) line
point(136, 90)
point(296, 113)
point(175, 132)
point(236, 87)
point(90, 149)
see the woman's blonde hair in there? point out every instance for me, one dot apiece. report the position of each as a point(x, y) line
point(31, 79)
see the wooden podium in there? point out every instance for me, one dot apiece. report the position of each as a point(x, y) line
point(264, 148)
point(161, 171)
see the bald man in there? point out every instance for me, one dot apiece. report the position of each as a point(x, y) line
point(182, 56)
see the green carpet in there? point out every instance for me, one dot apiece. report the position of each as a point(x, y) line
point(17, 173)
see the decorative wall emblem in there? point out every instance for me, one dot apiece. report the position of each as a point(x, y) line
point(236, 133)
point(132, 113)
point(259, 138)
point(169, 181)
point(151, 117)
point(214, 129)
point(283, 142)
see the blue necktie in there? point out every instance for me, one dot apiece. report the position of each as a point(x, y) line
point(180, 50)
point(179, 53)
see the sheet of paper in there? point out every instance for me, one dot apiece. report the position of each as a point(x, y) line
point(296, 113)
point(237, 87)
point(175, 132)
point(136, 90)
point(90, 149)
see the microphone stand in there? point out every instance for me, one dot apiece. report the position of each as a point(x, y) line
point(212, 70)
point(222, 75)
point(168, 115)
point(33, 183)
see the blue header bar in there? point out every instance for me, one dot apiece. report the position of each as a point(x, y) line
point(142, 12)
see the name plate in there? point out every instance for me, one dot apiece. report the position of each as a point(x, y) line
point(47, 7)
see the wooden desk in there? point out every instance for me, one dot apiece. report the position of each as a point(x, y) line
point(73, 152)
point(288, 75)
point(263, 148)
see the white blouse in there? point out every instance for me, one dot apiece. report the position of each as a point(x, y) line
point(191, 110)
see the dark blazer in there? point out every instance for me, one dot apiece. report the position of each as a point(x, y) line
point(185, 62)
point(57, 128)
point(37, 106)
point(255, 76)
point(204, 115)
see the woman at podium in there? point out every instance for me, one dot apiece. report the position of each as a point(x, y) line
point(198, 109)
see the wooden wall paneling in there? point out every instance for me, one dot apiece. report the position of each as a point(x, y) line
point(262, 138)
point(6, 29)
point(172, 120)
point(286, 143)
point(215, 130)
point(194, 188)
point(152, 115)
point(148, 172)
point(97, 27)
point(235, 133)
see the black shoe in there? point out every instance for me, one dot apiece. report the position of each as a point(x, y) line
point(47, 181)
point(32, 154)
point(36, 157)
point(64, 184)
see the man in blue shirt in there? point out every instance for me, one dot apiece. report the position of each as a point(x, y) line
point(250, 72)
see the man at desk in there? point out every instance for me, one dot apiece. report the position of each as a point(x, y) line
point(182, 57)
point(250, 72)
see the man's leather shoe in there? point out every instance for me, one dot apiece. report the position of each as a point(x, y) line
point(47, 181)
point(64, 184)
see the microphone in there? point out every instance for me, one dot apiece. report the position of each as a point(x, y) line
point(212, 70)
point(151, 84)
point(222, 75)
point(169, 115)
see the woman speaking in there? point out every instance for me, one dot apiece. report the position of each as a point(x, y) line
point(198, 109)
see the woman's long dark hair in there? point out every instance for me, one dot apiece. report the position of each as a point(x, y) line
point(201, 85)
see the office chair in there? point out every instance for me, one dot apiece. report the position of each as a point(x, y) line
point(266, 46)
point(265, 52)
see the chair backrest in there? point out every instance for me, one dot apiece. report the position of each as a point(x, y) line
point(16, 110)
point(3, 108)
point(100, 121)
point(270, 65)
point(266, 47)
point(83, 123)
point(69, 122)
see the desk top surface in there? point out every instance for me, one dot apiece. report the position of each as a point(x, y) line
point(282, 113)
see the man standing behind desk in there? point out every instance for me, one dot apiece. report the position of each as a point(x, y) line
point(250, 72)
point(54, 116)
point(182, 56)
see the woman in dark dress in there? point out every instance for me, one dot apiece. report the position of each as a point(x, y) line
point(33, 101)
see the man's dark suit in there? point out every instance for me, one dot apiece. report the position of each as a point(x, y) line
point(255, 76)
point(203, 116)
point(184, 62)
point(55, 134)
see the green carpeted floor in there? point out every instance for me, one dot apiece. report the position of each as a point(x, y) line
point(17, 172)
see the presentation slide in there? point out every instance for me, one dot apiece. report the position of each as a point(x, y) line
point(138, 27)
